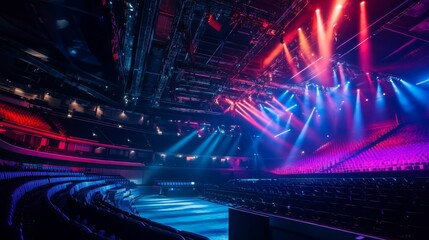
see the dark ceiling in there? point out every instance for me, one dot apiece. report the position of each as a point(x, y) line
point(191, 56)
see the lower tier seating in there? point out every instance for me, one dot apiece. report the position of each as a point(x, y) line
point(55, 205)
point(388, 207)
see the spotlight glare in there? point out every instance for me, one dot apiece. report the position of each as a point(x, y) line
point(339, 6)
point(317, 10)
point(299, 29)
point(362, 3)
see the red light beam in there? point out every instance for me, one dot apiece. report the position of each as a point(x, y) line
point(364, 48)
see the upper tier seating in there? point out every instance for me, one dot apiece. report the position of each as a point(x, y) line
point(22, 116)
point(405, 149)
point(107, 134)
point(333, 152)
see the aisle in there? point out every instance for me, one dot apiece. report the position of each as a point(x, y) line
point(186, 213)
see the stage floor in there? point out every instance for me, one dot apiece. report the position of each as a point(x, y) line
point(186, 213)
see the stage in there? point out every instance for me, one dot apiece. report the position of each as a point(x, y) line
point(186, 213)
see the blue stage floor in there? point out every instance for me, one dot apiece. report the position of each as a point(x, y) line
point(186, 213)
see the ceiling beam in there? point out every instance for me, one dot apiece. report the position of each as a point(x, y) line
point(69, 80)
point(83, 74)
point(125, 51)
point(202, 26)
point(289, 13)
point(147, 15)
point(411, 41)
point(183, 16)
point(405, 32)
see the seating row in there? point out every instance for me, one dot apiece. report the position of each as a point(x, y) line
point(387, 207)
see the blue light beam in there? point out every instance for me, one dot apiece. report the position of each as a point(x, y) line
point(181, 143)
point(405, 103)
point(418, 93)
point(424, 81)
point(284, 132)
point(300, 140)
point(357, 118)
point(203, 146)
